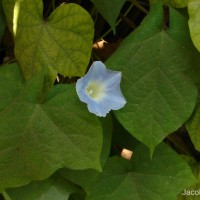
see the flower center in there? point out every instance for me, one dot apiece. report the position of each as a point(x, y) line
point(95, 90)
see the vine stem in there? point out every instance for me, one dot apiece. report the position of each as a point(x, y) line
point(53, 4)
point(178, 145)
point(117, 23)
point(140, 7)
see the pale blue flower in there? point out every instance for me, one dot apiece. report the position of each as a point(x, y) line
point(100, 89)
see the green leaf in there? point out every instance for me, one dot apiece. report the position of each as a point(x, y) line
point(2, 20)
point(84, 178)
point(173, 3)
point(105, 8)
point(53, 188)
point(11, 82)
point(38, 137)
point(193, 192)
point(159, 178)
point(193, 10)
point(77, 196)
point(193, 128)
point(8, 6)
point(122, 138)
point(60, 44)
point(160, 97)
point(177, 3)
point(107, 136)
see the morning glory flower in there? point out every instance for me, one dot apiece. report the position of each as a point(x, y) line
point(100, 89)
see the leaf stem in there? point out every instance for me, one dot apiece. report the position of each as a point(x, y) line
point(117, 23)
point(177, 141)
point(53, 4)
point(139, 6)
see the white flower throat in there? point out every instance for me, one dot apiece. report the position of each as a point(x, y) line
point(95, 90)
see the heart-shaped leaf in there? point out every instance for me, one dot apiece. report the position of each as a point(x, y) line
point(160, 97)
point(193, 10)
point(106, 9)
point(173, 3)
point(193, 192)
point(38, 137)
point(11, 82)
point(53, 188)
point(60, 44)
point(159, 178)
point(122, 138)
point(193, 128)
point(84, 178)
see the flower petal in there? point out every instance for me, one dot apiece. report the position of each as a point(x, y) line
point(80, 88)
point(96, 71)
point(98, 109)
point(115, 101)
point(113, 82)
